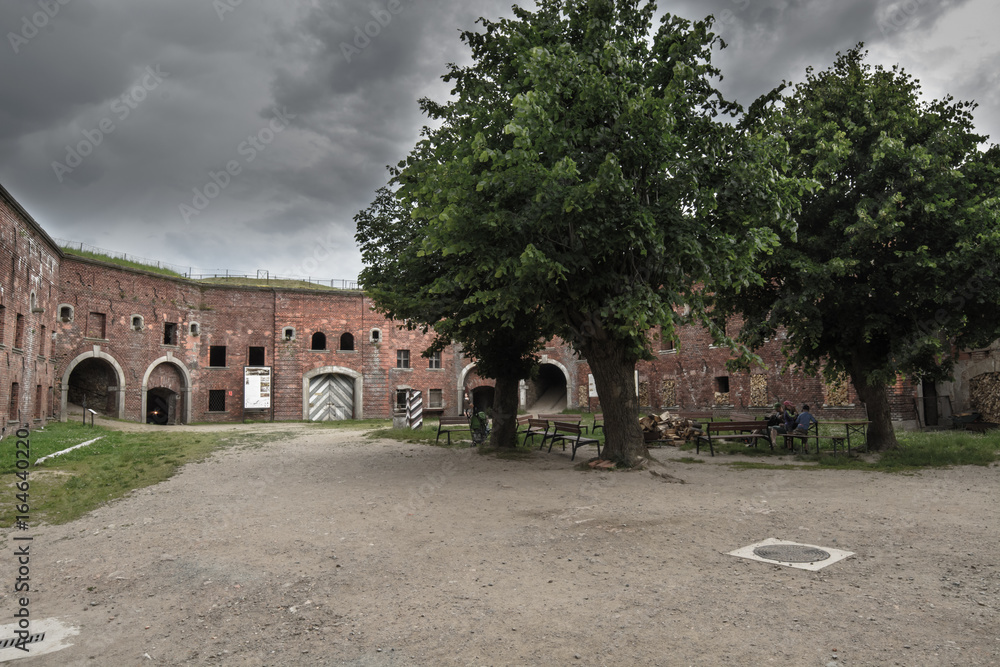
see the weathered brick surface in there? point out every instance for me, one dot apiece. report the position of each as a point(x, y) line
point(29, 267)
point(117, 329)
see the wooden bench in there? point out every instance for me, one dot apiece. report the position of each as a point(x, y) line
point(742, 430)
point(567, 419)
point(451, 423)
point(522, 423)
point(536, 427)
point(598, 423)
point(572, 433)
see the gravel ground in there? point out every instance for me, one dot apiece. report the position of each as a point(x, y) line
point(327, 548)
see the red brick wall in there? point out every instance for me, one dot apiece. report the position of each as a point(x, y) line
point(29, 265)
point(243, 317)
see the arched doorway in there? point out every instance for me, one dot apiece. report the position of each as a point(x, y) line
point(166, 393)
point(332, 393)
point(482, 399)
point(94, 383)
point(161, 406)
point(546, 390)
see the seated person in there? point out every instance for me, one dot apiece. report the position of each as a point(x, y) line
point(788, 422)
point(803, 421)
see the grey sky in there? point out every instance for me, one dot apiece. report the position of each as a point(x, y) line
point(171, 94)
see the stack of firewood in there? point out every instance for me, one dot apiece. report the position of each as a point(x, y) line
point(669, 427)
point(984, 392)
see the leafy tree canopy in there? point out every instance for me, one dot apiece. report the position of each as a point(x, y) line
point(895, 260)
point(585, 174)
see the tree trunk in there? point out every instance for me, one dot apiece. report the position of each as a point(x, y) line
point(505, 397)
point(881, 435)
point(614, 376)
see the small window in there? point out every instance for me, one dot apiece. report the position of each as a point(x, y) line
point(43, 344)
point(217, 356)
point(255, 356)
point(137, 323)
point(346, 342)
point(722, 385)
point(666, 342)
point(402, 358)
point(19, 331)
point(39, 406)
point(170, 333)
point(66, 313)
point(319, 341)
point(3, 325)
point(401, 399)
point(216, 400)
point(194, 329)
point(15, 391)
point(434, 361)
point(95, 326)
point(375, 336)
point(288, 334)
point(435, 398)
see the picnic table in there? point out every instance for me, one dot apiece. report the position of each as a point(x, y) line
point(855, 427)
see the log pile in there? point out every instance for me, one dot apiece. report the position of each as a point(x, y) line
point(668, 427)
point(984, 393)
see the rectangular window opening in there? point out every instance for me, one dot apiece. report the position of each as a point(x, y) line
point(19, 331)
point(434, 361)
point(255, 356)
point(216, 400)
point(170, 333)
point(435, 399)
point(217, 356)
point(402, 358)
point(400, 399)
point(722, 385)
point(15, 395)
point(96, 326)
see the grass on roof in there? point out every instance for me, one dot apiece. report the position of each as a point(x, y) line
point(122, 262)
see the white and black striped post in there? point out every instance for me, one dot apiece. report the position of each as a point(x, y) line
point(414, 409)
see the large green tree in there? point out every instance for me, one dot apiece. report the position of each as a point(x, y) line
point(894, 264)
point(584, 173)
point(423, 291)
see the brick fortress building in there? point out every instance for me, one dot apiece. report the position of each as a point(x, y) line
point(141, 346)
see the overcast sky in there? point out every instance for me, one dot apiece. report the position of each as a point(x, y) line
point(283, 126)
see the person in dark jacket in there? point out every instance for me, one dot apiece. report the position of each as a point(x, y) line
point(787, 424)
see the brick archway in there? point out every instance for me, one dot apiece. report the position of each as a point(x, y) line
point(116, 369)
point(183, 392)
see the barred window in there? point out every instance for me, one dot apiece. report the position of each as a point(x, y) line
point(216, 400)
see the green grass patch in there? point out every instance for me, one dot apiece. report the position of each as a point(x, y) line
point(935, 449)
point(70, 485)
point(687, 459)
point(122, 262)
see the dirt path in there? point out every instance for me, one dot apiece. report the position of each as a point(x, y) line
point(331, 549)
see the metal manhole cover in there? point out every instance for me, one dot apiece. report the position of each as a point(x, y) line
point(791, 553)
